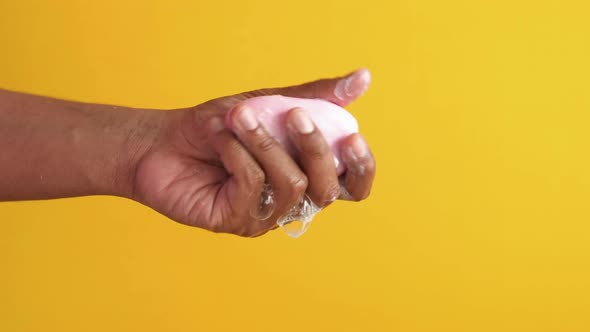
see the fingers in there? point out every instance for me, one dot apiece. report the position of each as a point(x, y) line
point(282, 173)
point(341, 90)
point(360, 165)
point(255, 158)
point(246, 177)
point(315, 157)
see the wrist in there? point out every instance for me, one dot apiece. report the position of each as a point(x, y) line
point(140, 129)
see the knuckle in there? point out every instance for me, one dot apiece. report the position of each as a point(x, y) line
point(298, 186)
point(330, 194)
point(265, 143)
point(254, 177)
point(316, 150)
point(234, 146)
point(298, 183)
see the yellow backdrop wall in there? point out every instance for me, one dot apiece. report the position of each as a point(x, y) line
point(479, 218)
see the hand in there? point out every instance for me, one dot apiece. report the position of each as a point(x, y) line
point(199, 173)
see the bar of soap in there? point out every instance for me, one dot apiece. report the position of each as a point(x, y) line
point(334, 122)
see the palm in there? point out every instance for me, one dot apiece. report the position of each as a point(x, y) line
point(181, 176)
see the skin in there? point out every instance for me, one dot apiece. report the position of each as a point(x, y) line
point(184, 163)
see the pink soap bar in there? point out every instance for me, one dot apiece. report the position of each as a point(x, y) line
point(334, 122)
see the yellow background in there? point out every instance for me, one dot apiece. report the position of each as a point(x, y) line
point(478, 116)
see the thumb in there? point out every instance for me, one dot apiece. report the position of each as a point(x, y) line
point(340, 90)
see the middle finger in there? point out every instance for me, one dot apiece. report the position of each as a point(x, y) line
point(315, 156)
point(287, 180)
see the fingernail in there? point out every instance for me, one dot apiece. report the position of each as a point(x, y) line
point(301, 122)
point(246, 120)
point(359, 147)
point(216, 125)
point(354, 85)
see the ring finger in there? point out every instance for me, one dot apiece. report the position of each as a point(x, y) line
point(315, 157)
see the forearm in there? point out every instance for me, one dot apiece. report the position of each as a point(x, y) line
point(53, 148)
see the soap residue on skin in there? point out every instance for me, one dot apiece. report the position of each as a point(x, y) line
point(266, 205)
point(297, 220)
